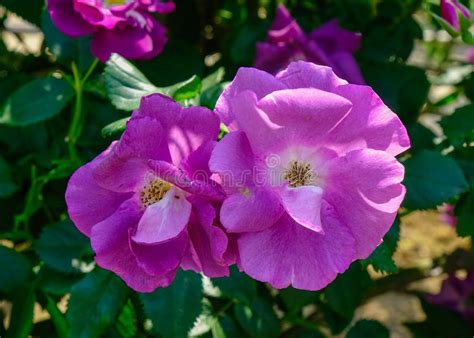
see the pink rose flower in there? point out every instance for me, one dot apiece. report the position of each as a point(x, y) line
point(148, 203)
point(125, 27)
point(310, 173)
point(328, 45)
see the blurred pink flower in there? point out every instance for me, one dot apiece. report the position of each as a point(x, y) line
point(470, 55)
point(328, 45)
point(456, 294)
point(446, 214)
point(125, 27)
point(449, 12)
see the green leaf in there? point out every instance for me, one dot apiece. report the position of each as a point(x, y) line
point(95, 303)
point(7, 186)
point(125, 84)
point(460, 124)
point(257, 319)
point(465, 23)
point(402, 35)
point(381, 259)
point(126, 324)
point(394, 83)
point(244, 40)
point(465, 215)
point(420, 137)
point(296, 299)
point(64, 48)
point(174, 309)
point(184, 90)
point(64, 238)
point(237, 286)
point(213, 79)
point(36, 101)
point(179, 61)
point(432, 179)
point(226, 328)
point(21, 321)
point(56, 283)
point(336, 322)
point(212, 88)
point(57, 318)
point(115, 128)
point(445, 25)
point(209, 97)
point(368, 328)
point(15, 269)
point(30, 12)
point(347, 291)
point(440, 323)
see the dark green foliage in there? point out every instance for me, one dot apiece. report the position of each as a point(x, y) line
point(368, 328)
point(173, 310)
point(95, 303)
point(432, 179)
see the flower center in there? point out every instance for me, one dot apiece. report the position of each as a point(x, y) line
point(299, 174)
point(111, 3)
point(154, 192)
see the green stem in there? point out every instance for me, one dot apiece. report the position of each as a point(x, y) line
point(57, 318)
point(78, 117)
point(90, 71)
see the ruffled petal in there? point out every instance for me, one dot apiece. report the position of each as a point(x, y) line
point(284, 28)
point(332, 37)
point(208, 243)
point(126, 167)
point(305, 114)
point(164, 220)
point(195, 185)
point(110, 240)
point(257, 81)
point(303, 204)
point(144, 138)
point(140, 41)
point(87, 202)
point(121, 175)
point(185, 129)
point(67, 19)
point(370, 124)
point(196, 165)
point(157, 6)
point(366, 191)
point(256, 124)
point(233, 160)
point(251, 209)
point(163, 258)
point(346, 67)
point(289, 254)
point(301, 74)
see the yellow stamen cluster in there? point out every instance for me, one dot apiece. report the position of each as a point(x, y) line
point(154, 192)
point(299, 174)
point(115, 2)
